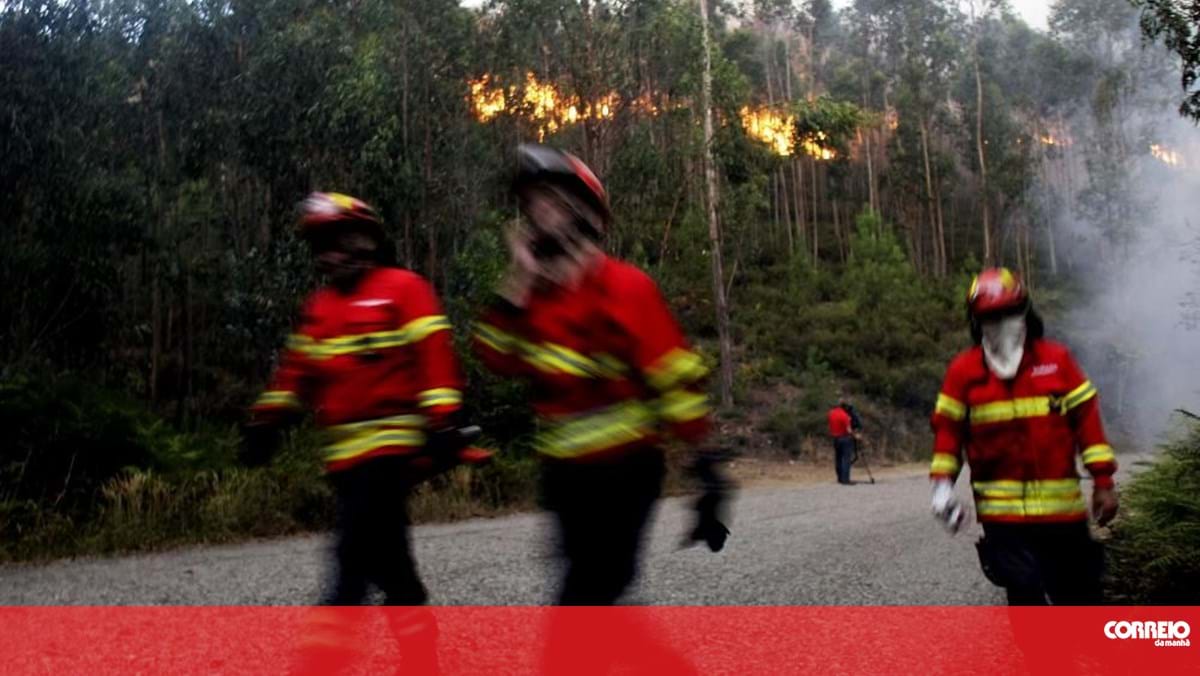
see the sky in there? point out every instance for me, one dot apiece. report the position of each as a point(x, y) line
point(1034, 12)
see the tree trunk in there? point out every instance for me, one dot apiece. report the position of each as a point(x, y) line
point(937, 237)
point(714, 231)
point(431, 267)
point(941, 232)
point(872, 196)
point(837, 232)
point(781, 178)
point(816, 227)
point(798, 194)
point(983, 179)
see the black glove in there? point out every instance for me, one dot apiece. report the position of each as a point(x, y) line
point(444, 445)
point(259, 443)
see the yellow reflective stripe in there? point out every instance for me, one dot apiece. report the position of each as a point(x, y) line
point(1030, 507)
point(1011, 409)
point(556, 359)
point(591, 432)
point(412, 332)
point(279, 398)
point(675, 368)
point(551, 357)
point(610, 365)
point(393, 421)
point(678, 406)
point(1098, 453)
point(494, 338)
point(950, 407)
point(368, 442)
point(944, 463)
point(1028, 498)
point(440, 396)
point(421, 328)
point(349, 431)
point(301, 343)
point(1078, 395)
point(356, 438)
point(1044, 488)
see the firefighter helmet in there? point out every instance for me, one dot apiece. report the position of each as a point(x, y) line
point(996, 291)
point(543, 164)
point(323, 212)
point(1000, 291)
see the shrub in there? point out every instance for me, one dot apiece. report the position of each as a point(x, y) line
point(1155, 549)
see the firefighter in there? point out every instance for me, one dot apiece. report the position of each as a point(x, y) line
point(610, 370)
point(371, 357)
point(1022, 409)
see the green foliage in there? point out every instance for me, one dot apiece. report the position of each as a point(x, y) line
point(837, 121)
point(897, 354)
point(876, 322)
point(1155, 550)
point(1174, 22)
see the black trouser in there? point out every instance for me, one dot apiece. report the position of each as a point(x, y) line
point(602, 507)
point(372, 530)
point(843, 453)
point(1041, 563)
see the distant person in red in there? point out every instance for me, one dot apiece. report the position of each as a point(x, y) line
point(841, 430)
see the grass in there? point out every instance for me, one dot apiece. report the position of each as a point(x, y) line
point(143, 510)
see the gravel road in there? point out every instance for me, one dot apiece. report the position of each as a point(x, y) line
point(791, 545)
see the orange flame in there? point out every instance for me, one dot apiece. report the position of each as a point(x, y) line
point(776, 130)
point(1050, 139)
point(1166, 155)
point(892, 117)
point(813, 147)
point(779, 132)
point(487, 102)
point(538, 102)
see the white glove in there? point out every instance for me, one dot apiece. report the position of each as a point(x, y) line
point(946, 508)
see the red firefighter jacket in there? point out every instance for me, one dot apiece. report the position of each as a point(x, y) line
point(609, 365)
point(840, 423)
point(1022, 436)
point(376, 366)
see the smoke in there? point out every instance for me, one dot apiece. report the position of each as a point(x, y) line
point(1128, 232)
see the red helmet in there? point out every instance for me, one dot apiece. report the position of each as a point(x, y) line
point(996, 291)
point(543, 164)
point(322, 212)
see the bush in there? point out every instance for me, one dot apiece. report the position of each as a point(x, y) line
point(66, 438)
point(1155, 549)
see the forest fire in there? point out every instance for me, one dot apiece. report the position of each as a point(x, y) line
point(779, 132)
point(538, 102)
point(814, 149)
point(774, 129)
point(487, 102)
point(892, 118)
point(1166, 155)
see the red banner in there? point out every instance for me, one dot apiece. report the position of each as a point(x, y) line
point(658, 640)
